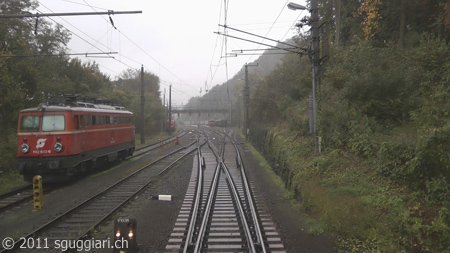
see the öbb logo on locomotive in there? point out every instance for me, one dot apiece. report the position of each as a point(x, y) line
point(40, 143)
point(72, 137)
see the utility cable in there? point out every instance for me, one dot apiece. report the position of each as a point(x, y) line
point(271, 26)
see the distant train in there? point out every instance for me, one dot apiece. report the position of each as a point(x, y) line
point(217, 123)
point(63, 137)
point(171, 127)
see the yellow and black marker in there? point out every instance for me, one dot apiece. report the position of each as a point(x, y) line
point(37, 192)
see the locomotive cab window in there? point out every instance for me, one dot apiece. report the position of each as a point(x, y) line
point(29, 124)
point(53, 123)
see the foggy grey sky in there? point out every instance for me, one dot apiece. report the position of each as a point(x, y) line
point(174, 39)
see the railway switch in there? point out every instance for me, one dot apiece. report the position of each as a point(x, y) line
point(125, 231)
point(37, 192)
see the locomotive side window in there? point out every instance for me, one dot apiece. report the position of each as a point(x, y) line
point(53, 123)
point(82, 121)
point(100, 120)
point(29, 124)
point(88, 119)
point(75, 122)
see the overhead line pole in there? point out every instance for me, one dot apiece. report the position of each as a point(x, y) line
point(246, 100)
point(314, 56)
point(170, 109)
point(142, 107)
point(315, 66)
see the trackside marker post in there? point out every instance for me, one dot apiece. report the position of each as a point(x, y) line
point(37, 192)
point(163, 197)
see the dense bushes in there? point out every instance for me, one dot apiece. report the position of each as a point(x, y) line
point(371, 92)
point(381, 184)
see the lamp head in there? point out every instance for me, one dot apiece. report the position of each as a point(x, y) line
point(294, 6)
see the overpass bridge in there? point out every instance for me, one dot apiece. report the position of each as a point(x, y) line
point(190, 111)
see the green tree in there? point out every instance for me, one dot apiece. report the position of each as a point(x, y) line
point(129, 84)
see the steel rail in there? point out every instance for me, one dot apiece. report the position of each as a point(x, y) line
point(88, 232)
point(244, 221)
point(251, 205)
point(12, 193)
point(234, 190)
point(181, 134)
point(68, 212)
point(221, 165)
point(208, 207)
point(198, 195)
point(28, 188)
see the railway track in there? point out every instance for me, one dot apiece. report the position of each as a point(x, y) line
point(80, 222)
point(219, 213)
point(15, 197)
point(24, 194)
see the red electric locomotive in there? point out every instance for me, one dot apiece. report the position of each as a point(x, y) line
point(170, 127)
point(63, 137)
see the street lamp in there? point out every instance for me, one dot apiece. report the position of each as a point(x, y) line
point(314, 56)
point(294, 6)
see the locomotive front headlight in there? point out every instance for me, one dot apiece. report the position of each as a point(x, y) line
point(24, 148)
point(58, 147)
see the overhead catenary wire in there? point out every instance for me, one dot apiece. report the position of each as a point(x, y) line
point(264, 38)
point(77, 34)
point(272, 25)
point(226, 34)
point(120, 54)
point(58, 55)
point(210, 72)
point(263, 44)
point(37, 15)
point(216, 68)
point(145, 52)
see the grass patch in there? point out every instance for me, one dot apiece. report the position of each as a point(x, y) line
point(153, 138)
point(346, 197)
point(314, 226)
point(274, 177)
point(336, 191)
point(10, 181)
